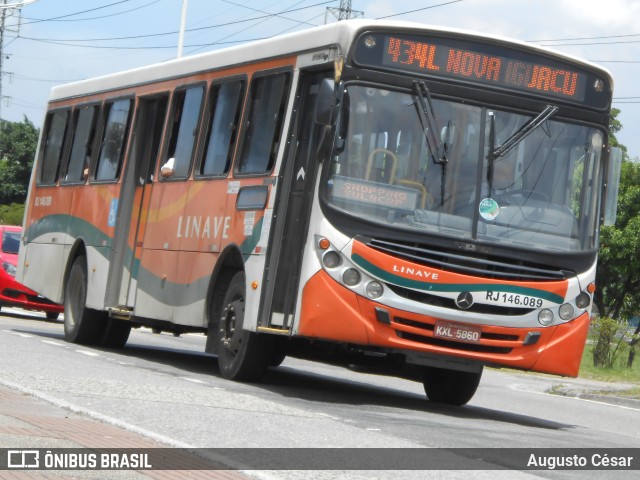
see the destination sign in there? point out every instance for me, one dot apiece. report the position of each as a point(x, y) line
point(362, 191)
point(476, 62)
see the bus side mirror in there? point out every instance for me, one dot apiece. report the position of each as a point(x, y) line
point(328, 102)
point(613, 183)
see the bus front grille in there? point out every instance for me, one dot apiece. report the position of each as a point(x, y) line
point(469, 263)
point(436, 301)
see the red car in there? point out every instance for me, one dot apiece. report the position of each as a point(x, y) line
point(15, 294)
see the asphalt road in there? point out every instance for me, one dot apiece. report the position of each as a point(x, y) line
point(167, 389)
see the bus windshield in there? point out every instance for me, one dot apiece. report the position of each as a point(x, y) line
point(539, 193)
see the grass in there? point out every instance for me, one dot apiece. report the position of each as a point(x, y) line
point(618, 373)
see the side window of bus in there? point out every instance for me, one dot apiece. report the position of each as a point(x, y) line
point(225, 107)
point(114, 139)
point(56, 127)
point(84, 129)
point(263, 123)
point(185, 116)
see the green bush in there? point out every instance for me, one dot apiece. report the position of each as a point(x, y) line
point(11, 214)
point(604, 353)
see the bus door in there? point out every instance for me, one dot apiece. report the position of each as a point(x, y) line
point(292, 211)
point(135, 195)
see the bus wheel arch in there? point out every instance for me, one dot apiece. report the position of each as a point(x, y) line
point(81, 324)
point(77, 250)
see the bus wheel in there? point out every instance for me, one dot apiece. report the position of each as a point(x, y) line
point(451, 387)
point(116, 333)
point(81, 324)
point(242, 355)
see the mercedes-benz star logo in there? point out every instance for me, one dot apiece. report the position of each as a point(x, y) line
point(464, 300)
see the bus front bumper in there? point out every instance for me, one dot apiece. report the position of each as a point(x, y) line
point(334, 313)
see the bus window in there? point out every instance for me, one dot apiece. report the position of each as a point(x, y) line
point(54, 142)
point(226, 103)
point(263, 123)
point(184, 128)
point(114, 139)
point(84, 125)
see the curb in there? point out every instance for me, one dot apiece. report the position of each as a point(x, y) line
point(621, 401)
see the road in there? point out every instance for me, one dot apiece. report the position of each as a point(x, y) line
point(167, 389)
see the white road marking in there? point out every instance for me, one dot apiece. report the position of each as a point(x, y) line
point(88, 353)
point(194, 380)
point(54, 343)
point(23, 335)
point(110, 420)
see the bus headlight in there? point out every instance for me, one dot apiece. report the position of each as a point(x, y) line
point(374, 290)
point(331, 259)
point(583, 300)
point(351, 277)
point(566, 311)
point(545, 317)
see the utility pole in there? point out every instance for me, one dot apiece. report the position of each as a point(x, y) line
point(3, 17)
point(343, 12)
point(7, 10)
point(183, 23)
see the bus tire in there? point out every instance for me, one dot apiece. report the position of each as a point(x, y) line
point(451, 387)
point(81, 324)
point(116, 333)
point(242, 355)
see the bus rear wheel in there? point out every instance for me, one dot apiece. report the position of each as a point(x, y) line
point(116, 333)
point(242, 355)
point(451, 387)
point(81, 324)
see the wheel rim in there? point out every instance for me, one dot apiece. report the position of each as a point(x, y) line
point(77, 292)
point(231, 326)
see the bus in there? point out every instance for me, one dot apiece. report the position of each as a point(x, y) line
point(390, 197)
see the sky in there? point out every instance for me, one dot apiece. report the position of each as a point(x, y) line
point(49, 42)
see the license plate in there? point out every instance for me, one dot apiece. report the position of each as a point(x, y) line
point(457, 332)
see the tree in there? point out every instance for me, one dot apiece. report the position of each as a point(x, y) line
point(615, 126)
point(18, 143)
point(618, 271)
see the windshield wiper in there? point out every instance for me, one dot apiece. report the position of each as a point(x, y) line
point(437, 149)
point(511, 142)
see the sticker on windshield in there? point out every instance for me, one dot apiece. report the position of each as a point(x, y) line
point(489, 209)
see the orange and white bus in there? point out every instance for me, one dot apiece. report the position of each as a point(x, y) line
point(396, 198)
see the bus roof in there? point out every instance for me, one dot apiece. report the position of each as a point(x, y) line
point(339, 34)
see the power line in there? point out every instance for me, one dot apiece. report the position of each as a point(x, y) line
point(93, 18)
point(152, 47)
point(586, 43)
point(615, 61)
point(262, 11)
point(135, 37)
point(44, 80)
point(419, 9)
point(74, 14)
point(269, 17)
point(585, 38)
